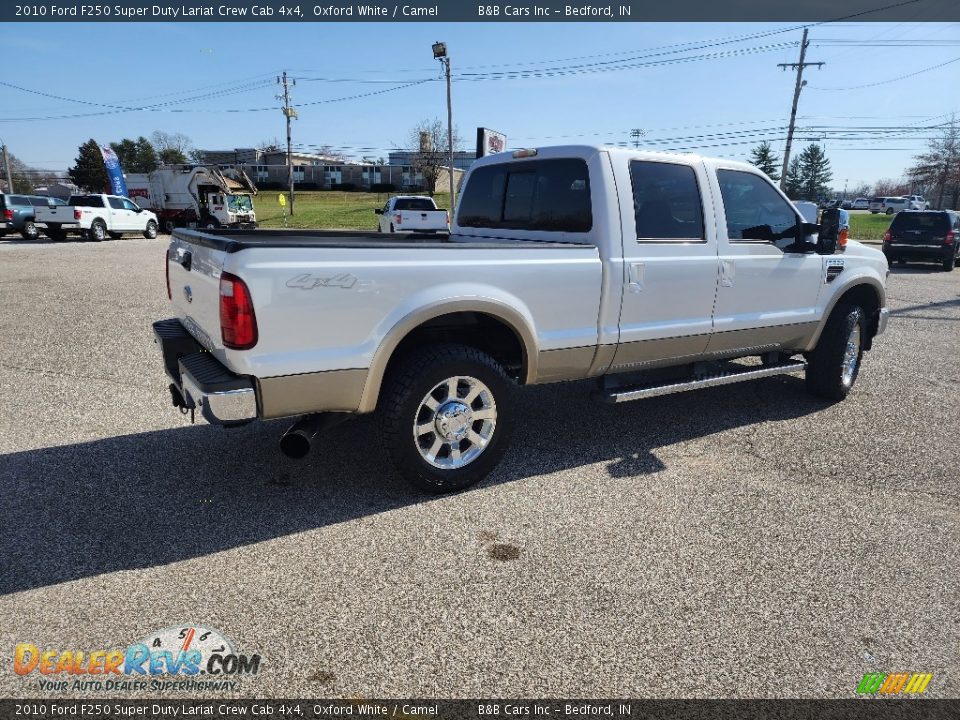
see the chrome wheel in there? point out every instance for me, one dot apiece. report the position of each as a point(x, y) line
point(851, 356)
point(455, 422)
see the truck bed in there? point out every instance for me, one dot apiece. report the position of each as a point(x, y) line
point(231, 241)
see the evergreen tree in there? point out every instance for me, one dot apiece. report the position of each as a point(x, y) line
point(136, 156)
point(815, 173)
point(793, 184)
point(764, 158)
point(88, 171)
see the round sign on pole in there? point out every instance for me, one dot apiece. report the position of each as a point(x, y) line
point(282, 199)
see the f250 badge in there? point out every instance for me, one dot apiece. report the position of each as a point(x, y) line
point(309, 282)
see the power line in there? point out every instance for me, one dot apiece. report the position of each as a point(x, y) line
point(891, 80)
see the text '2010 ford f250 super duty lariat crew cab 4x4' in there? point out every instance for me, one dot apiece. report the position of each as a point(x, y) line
point(650, 273)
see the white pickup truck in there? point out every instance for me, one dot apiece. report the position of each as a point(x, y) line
point(96, 217)
point(650, 273)
point(412, 213)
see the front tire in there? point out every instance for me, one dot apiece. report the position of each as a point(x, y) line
point(833, 365)
point(889, 211)
point(445, 417)
point(948, 264)
point(150, 232)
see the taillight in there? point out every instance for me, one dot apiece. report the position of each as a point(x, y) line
point(396, 219)
point(238, 323)
point(886, 236)
point(77, 213)
point(166, 267)
point(948, 240)
point(8, 214)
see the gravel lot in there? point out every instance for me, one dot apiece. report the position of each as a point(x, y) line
point(743, 541)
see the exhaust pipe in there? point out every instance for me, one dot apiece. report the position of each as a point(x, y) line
point(297, 441)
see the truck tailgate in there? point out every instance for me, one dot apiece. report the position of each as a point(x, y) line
point(194, 272)
point(58, 214)
point(422, 220)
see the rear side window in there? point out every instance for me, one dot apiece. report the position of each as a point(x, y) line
point(115, 203)
point(40, 202)
point(921, 221)
point(666, 201)
point(86, 201)
point(21, 200)
point(552, 195)
point(414, 204)
point(751, 205)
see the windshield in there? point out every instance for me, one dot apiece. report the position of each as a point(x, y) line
point(240, 203)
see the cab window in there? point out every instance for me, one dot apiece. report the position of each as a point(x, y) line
point(753, 208)
point(551, 195)
point(666, 201)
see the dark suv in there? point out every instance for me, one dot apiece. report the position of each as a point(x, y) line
point(931, 236)
point(17, 213)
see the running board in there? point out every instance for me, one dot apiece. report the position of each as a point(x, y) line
point(627, 394)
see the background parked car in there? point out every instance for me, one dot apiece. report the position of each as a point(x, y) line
point(892, 205)
point(876, 205)
point(930, 236)
point(917, 202)
point(18, 213)
point(860, 204)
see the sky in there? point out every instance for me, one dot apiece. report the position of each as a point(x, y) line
point(711, 88)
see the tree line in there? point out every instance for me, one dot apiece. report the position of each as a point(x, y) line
point(935, 173)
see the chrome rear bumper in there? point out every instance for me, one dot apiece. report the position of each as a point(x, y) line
point(200, 381)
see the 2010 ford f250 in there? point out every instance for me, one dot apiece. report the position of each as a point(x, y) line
point(650, 273)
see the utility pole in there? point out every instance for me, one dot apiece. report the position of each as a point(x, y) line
point(798, 66)
point(6, 167)
point(290, 114)
point(636, 134)
point(440, 53)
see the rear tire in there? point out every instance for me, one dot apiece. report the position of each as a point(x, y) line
point(30, 230)
point(445, 417)
point(55, 233)
point(833, 365)
point(150, 232)
point(97, 231)
point(948, 264)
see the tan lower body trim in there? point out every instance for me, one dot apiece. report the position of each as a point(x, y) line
point(332, 391)
point(564, 364)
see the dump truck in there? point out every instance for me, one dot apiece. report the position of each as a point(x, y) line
point(202, 196)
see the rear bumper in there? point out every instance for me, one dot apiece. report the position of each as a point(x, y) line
point(912, 251)
point(200, 381)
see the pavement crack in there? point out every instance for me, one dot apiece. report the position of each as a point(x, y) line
point(76, 376)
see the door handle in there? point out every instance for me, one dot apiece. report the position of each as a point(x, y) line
point(727, 273)
point(635, 277)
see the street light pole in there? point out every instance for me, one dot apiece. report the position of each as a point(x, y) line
point(440, 53)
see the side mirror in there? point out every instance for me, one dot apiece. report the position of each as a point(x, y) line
point(138, 209)
point(829, 232)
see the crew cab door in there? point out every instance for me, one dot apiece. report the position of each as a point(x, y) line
point(670, 262)
point(767, 295)
point(121, 219)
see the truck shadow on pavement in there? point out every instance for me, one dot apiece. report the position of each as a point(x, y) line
point(149, 499)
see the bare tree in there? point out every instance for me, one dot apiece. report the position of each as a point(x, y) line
point(891, 187)
point(429, 150)
point(938, 169)
point(172, 148)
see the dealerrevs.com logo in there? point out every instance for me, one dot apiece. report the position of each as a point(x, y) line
point(894, 683)
point(189, 657)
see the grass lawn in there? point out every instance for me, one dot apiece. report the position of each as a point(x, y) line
point(331, 209)
point(867, 226)
point(354, 211)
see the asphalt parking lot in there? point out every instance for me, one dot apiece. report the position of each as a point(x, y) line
point(742, 541)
